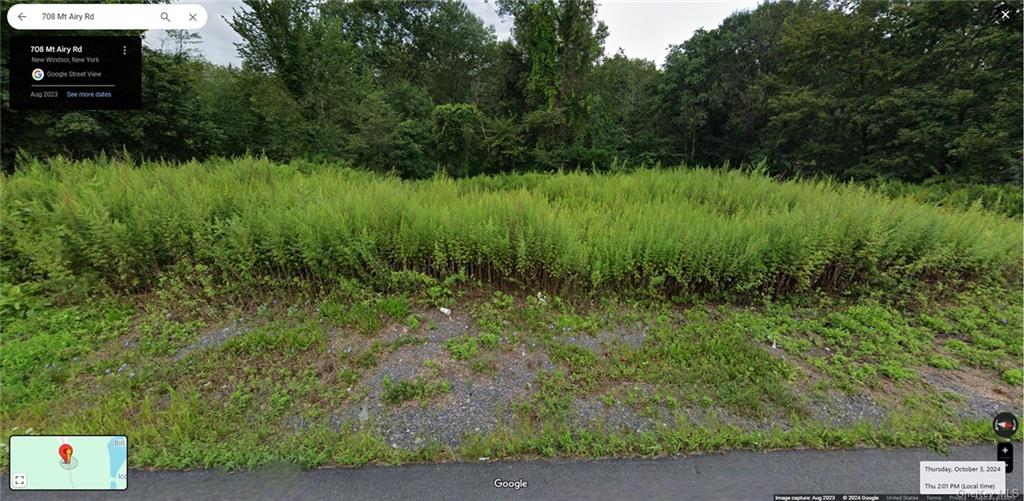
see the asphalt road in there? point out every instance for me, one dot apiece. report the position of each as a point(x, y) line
point(733, 475)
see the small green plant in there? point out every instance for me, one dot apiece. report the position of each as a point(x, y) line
point(502, 301)
point(489, 339)
point(369, 358)
point(395, 307)
point(413, 321)
point(404, 340)
point(241, 397)
point(278, 339)
point(943, 362)
point(462, 347)
point(442, 294)
point(362, 316)
point(1014, 376)
point(395, 392)
point(16, 301)
point(897, 372)
point(483, 366)
point(159, 335)
point(348, 376)
point(39, 353)
point(552, 402)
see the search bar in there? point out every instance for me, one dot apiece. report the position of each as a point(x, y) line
point(60, 16)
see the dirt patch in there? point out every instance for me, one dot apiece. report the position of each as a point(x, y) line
point(474, 405)
point(632, 336)
point(983, 394)
point(608, 411)
point(613, 410)
point(595, 414)
point(445, 326)
point(585, 341)
point(212, 338)
point(833, 407)
point(839, 409)
point(480, 401)
point(476, 402)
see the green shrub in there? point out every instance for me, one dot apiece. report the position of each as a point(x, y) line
point(1005, 199)
point(462, 347)
point(277, 339)
point(682, 230)
point(363, 316)
point(489, 339)
point(410, 389)
point(1014, 376)
point(395, 307)
point(369, 358)
point(348, 376)
point(941, 362)
point(38, 353)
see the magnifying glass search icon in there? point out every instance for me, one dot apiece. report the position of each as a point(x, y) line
point(165, 17)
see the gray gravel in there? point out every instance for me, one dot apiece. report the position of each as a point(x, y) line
point(593, 412)
point(474, 404)
point(479, 402)
point(632, 336)
point(213, 338)
point(841, 409)
point(980, 400)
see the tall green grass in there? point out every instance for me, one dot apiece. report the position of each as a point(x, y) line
point(1007, 199)
point(680, 230)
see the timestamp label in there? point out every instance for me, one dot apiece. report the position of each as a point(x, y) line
point(963, 477)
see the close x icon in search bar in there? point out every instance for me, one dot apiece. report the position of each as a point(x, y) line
point(25, 16)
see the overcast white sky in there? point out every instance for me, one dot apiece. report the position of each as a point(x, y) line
point(641, 28)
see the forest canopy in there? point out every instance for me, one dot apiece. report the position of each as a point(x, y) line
point(848, 89)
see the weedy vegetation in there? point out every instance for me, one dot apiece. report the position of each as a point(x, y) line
point(174, 302)
point(680, 231)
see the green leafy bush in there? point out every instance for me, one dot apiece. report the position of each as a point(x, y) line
point(462, 347)
point(278, 339)
point(679, 230)
point(412, 389)
point(941, 362)
point(40, 352)
point(489, 339)
point(1014, 376)
point(1005, 199)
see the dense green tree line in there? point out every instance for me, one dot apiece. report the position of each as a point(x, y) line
point(852, 89)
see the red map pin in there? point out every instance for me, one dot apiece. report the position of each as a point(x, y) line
point(65, 451)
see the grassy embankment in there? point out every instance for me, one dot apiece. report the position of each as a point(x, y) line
point(238, 313)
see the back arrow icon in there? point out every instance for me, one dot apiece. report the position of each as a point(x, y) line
point(21, 16)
